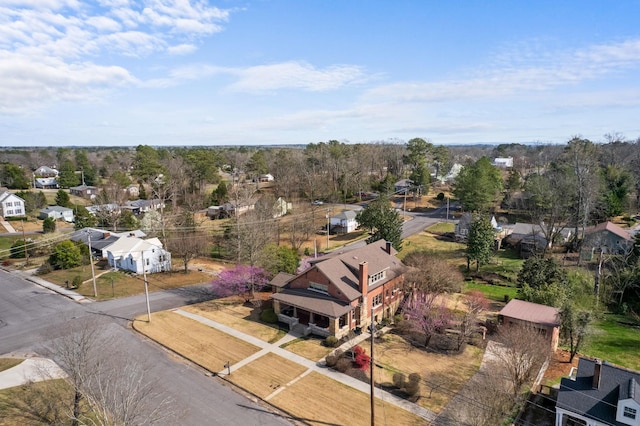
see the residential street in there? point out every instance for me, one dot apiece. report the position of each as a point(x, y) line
point(30, 316)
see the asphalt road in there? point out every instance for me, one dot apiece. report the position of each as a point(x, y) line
point(31, 316)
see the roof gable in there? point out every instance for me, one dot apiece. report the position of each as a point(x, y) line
point(611, 227)
point(531, 312)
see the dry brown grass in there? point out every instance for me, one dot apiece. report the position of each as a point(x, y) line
point(318, 400)
point(203, 345)
point(266, 374)
point(309, 347)
point(238, 316)
point(448, 372)
point(7, 363)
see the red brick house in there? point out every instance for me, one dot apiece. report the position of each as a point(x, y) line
point(545, 319)
point(343, 291)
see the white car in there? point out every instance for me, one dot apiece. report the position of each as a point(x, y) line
point(317, 202)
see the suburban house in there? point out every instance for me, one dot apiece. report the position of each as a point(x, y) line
point(45, 183)
point(463, 226)
point(241, 206)
point(342, 291)
point(101, 239)
point(599, 394)
point(57, 212)
point(265, 178)
point(503, 162)
point(544, 319)
point(45, 172)
point(132, 190)
point(10, 204)
point(103, 209)
point(606, 238)
point(403, 186)
point(143, 206)
point(84, 191)
point(344, 222)
point(138, 256)
point(281, 207)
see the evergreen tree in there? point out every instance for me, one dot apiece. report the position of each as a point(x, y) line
point(83, 219)
point(62, 198)
point(13, 177)
point(49, 225)
point(480, 242)
point(383, 220)
point(478, 185)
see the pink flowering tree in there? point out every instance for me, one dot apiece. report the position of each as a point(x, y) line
point(240, 280)
point(304, 265)
point(426, 313)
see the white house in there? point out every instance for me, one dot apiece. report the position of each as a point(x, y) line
point(101, 240)
point(46, 183)
point(265, 178)
point(137, 255)
point(503, 162)
point(45, 171)
point(344, 222)
point(281, 207)
point(10, 204)
point(57, 212)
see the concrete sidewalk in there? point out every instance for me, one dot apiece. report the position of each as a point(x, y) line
point(30, 370)
point(30, 276)
point(318, 367)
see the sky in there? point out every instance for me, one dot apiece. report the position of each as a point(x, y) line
point(275, 72)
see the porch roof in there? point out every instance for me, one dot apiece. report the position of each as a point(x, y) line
point(313, 301)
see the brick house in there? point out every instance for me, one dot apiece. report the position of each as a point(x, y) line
point(545, 319)
point(343, 291)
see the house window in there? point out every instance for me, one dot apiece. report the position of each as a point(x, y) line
point(377, 277)
point(377, 300)
point(9, 212)
point(9, 204)
point(18, 211)
point(147, 261)
point(629, 412)
point(320, 288)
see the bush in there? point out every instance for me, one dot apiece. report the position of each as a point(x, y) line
point(49, 225)
point(269, 316)
point(440, 196)
point(412, 387)
point(44, 269)
point(331, 341)
point(18, 249)
point(362, 360)
point(76, 282)
point(399, 380)
point(343, 365)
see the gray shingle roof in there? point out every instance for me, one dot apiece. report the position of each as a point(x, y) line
point(580, 397)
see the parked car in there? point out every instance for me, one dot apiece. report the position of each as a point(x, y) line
point(317, 202)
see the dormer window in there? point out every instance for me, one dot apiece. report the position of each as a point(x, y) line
point(630, 413)
point(377, 277)
point(320, 288)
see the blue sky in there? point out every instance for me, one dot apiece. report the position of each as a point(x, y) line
point(197, 72)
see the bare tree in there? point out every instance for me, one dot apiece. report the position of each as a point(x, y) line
point(108, 387)
point(523, 351)
point(432, 274)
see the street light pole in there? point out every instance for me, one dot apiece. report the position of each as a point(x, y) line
point(93, 273)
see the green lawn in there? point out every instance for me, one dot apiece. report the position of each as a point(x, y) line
point(442, 227)
point(492, 292)
point(615, 342)
point(6, 243)
point(506, 263)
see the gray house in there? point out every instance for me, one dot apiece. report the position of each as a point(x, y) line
point(606, 238)
point(57, 212)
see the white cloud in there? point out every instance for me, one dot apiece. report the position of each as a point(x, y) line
point(296, 75)
point(182, 49)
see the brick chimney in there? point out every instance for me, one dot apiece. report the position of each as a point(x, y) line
point(388, 247)
point(597, 370)
point(363, 278)
point(106, 234)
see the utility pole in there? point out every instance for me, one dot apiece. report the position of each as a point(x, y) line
point(24, 240)
point(146, 287)
point(372, 329)
point(447, 209)
point(328, 228)
point(93, 273)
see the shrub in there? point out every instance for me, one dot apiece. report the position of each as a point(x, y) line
point(399, 380)
point(362, 360)
point(412, 387)
point(44, 269)
point(269, 316)
point(331, 341)
point(440, 196)
point(343, 365)
point(49, 225)
point(18, 249)
point(76, 282)
point(331, 361)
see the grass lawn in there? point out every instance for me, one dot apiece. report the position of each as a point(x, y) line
point(452, 251)
point(123, 284)
point(445, 374)
point(506, 263)
point(310, 347)
point(5, 245)
point(203, 345)
point(238, 316)
point(7, 363)
point(441, 228)
point(492, 292)
point(261, 378)
point(615, 342)
point(317, 400)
